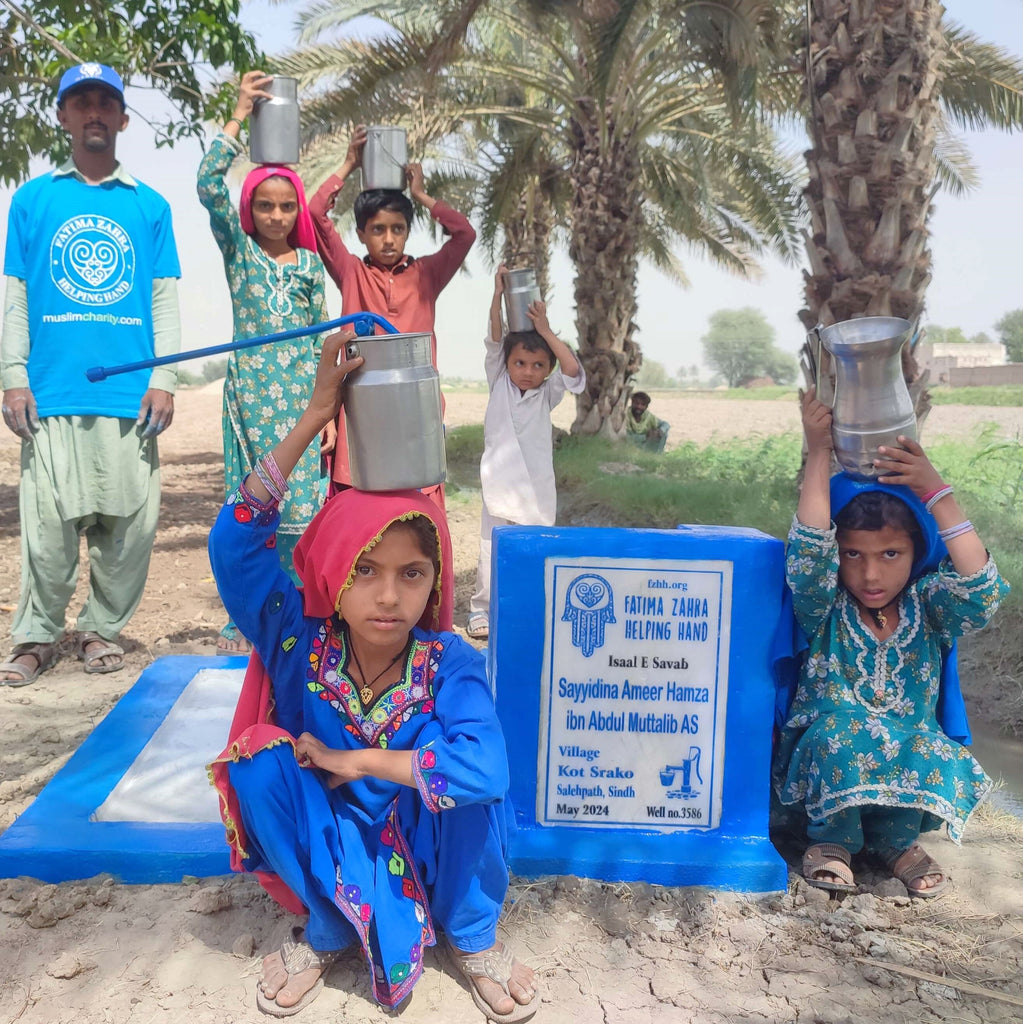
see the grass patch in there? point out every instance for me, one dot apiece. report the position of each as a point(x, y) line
point(1001, 394)
point(464, 447)
point(769, 393)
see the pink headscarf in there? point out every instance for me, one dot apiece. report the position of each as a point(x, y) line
point(302, 235)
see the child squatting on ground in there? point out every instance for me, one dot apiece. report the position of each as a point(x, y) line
point(366, 775)
point(276, 283)
point(517, 468)
point(881, 594)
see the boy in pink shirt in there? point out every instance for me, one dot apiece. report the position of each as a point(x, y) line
point(387, 281)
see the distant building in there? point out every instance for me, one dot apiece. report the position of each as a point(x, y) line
point(944, 356)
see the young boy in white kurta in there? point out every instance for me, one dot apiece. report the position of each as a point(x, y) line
point(517, 469)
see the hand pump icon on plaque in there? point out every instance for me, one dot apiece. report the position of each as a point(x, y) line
point(688, 766)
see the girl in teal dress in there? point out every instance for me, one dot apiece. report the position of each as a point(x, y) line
point(276, 283)
point(881, 594)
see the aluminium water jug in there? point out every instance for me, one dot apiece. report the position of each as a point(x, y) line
point(384, 158)
point(274, 128)
point(520, 289)
point(393, 414)
point(872, 405)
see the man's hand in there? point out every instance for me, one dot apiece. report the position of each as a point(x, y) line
point(19, 407)
point(155, 412)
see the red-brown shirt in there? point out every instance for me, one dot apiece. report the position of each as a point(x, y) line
point(406, 294)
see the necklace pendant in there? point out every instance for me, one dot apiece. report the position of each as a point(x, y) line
point(366, 695)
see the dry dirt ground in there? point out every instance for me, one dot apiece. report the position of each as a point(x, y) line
point(97, 952)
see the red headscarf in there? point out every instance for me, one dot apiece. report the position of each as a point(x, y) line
point(349, 524)
point(302, 235)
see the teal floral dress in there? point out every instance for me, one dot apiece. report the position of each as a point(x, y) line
point(266, 387)
point(862, 727)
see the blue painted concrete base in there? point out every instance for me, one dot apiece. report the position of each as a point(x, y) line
point(56, 840)
point(720, 862)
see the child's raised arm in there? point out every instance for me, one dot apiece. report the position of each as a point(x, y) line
point(353, 157)
point(814, 508)
point(567, 361)
point(324, 405)
point(251, 88)
point(910, 467)
point(496, 324)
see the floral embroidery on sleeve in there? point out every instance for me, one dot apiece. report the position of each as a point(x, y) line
point(432, 785)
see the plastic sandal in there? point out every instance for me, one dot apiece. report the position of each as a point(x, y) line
point(478, 626)
point(297, 956)
point(45, 656)
point(495, 964)
point(93, 660)
point(832, 858)
point(913, 864)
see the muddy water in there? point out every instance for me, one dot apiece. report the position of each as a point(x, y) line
point(1001, 754)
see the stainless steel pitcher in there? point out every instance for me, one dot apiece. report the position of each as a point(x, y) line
point(274, 128)
point(384, 158)
point(393, 414)
point(871, 405)
point(520, 289)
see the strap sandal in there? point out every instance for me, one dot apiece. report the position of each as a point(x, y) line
point(93, 660)
point(45, 656)
point(833, 859)
point(913, 864)
point(231, 643)
point(297, 956)
point(496, 964)
point(478, 626)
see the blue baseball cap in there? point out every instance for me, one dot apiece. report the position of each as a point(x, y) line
point(90, 73)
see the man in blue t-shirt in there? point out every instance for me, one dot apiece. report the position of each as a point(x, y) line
point(91, 276)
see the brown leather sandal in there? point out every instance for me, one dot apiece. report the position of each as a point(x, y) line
point(833, 859)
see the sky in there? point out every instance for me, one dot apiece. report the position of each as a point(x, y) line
point(975, 242)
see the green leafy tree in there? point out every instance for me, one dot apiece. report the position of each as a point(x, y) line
point(781, 367)
point(1010, 334)
point(946, 335)
point(653, 374)
point(171, 46)
point(214, 369)
point(739, 345)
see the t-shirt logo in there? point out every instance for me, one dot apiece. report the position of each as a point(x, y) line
point(92, 260)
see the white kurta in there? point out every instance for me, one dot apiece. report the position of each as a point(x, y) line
point(517, 468)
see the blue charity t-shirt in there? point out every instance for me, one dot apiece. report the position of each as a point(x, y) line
point(88, 255)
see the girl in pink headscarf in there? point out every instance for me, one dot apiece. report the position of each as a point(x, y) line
point(276, 282)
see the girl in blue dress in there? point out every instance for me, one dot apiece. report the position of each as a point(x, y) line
point(366, 776)
point(884, 576)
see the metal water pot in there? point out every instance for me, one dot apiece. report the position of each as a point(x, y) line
point(393, 414)
point(384, 158)
point(274, 128)
point(871, 405)
point(520, 289)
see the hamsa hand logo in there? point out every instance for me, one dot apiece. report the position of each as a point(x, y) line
point(589, 606)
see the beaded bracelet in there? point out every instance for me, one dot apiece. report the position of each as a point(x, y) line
point(951, 532)
point(932, 499)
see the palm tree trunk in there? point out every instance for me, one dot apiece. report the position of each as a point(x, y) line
point(605, 222)
point(874, 78)
point(527, 236)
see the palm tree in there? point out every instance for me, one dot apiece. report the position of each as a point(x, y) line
point(885, 80)
point(647, 143)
